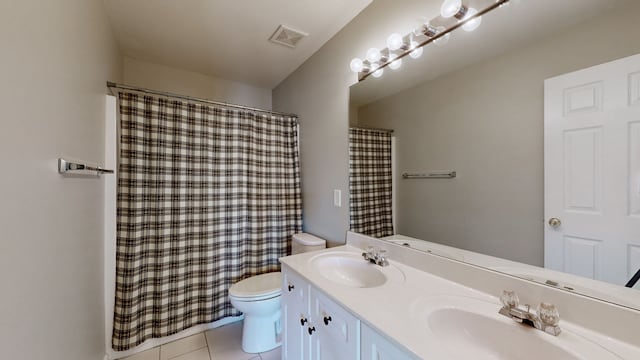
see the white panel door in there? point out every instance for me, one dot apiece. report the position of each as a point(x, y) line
point(592, 171)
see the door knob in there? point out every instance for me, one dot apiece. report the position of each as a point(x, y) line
point(555, 223)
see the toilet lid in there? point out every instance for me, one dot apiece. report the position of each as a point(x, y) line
point(257, 286)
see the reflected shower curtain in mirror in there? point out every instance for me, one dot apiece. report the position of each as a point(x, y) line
point(206, 197)
point(370, 182)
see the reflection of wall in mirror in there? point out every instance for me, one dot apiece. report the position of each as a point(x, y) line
point(486, 122)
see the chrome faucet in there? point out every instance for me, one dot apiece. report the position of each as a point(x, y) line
point(376, 256)
point(545, 319)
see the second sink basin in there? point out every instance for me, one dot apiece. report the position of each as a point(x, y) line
point(350, 269)
point(496, 340)
point(472, 328)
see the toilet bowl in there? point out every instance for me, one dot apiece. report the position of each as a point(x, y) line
point(258, 297)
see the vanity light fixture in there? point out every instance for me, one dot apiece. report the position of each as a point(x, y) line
point(442, 40)
point(395, 63)
point(453, 8)
point(357, 65)
point(374, 55)
point(378, 73)
point(398, 46)
point(428, 30)
point(395, 42)
point(431, 31)
point(415, 49)
point(473, 23)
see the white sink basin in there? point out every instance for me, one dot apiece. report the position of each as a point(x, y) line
point(350, 269)
point(472, 328)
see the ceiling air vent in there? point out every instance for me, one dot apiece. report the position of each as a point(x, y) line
point(287, 36)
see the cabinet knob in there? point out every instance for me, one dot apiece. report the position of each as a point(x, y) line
point(327, 320)
point(311, 329)
point(290, 287)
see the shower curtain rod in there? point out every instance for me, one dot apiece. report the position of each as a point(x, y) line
point(373, 129)
point(112, 85)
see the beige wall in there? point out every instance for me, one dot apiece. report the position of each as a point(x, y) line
point(56, 59)
point(486, 122)
point(318, 91)
point(164, 78)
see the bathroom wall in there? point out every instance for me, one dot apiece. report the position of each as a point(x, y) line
point(318, 91)
point(492, 134)
point(159, 77)
point(56, 59)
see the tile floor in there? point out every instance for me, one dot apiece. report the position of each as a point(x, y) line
point(223, 343)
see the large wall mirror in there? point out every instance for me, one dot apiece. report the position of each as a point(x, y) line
point(476, 106)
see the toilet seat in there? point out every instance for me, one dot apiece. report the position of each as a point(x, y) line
point(256, 288)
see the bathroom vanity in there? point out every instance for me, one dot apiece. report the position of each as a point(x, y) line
point(317, 327)
point(337, 305)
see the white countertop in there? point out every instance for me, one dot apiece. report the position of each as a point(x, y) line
point(398, 308)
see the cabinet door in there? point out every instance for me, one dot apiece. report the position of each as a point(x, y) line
point(295, 311)
point(337, 335)
point(377, 347)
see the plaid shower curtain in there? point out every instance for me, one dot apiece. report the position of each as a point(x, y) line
point(206, 197)
point(370, 205)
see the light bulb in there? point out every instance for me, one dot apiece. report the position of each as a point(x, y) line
point(416, 51)
point(508, 3)
point(372, 67)
point(373, 55)
point(356, 65)
point(474, 23)
point(378, 73)
point(395, 41)
point(450, 8)
point(443, 39)
point(395, 63)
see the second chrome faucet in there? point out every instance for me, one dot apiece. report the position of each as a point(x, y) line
point(376, 256)
point(546, 318)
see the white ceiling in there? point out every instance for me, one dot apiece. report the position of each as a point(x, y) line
point(227, 38)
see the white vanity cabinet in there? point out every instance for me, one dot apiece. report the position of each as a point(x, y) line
point(337, 334)
point(315, 327)
point(414, 314)
point(296, 344)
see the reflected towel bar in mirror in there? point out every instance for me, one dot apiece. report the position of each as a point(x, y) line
point(431, 175)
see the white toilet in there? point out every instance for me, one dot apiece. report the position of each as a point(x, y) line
point(258, 297)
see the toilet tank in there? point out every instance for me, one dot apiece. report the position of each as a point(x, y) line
point(303, 242)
